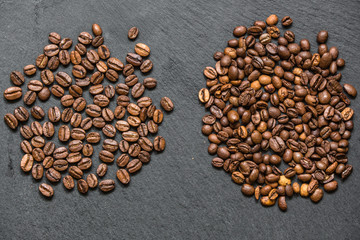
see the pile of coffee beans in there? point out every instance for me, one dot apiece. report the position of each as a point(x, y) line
point(135, 117)
point(272, 100)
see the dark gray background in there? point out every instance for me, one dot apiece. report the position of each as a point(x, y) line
point(179, 195)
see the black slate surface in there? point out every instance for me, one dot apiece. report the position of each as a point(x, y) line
point(179, 195)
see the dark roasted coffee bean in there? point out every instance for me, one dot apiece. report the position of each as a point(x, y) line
point(85, 38)
point(123, 176)
point(104, 52)
point(44, 94)
point(48, 149)
point(57, 91)
point(167, 104)
point(87, 150)
point(115, 64)
point(21, 114)
point(64, 57)
point(60, 165)
point(97, 41)
point(150, 83)
point(53, 63)
point(92, 180)
point(37, 112)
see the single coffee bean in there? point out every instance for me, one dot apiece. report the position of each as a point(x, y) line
point(104, 52)
point(96, 29)
point(87, 150)
point(44, 94)
point(80, 48)
point(150, 83)
point(64, 57)
point(101, 170)
point(52, 175)
point(48, 162)
point(93, 110)
point(107, 185)
point(124, 146)
point(109, 130)
point(167, 104)
point(92, 180)
point(98, 122)
point(21, 114)
point(53, 63)
point(74, 157)
point(68, 182)
point(159, 144)
point(146, 66)
point(46, 190)
point(63, 79)
point(11, 121)
point(133, 33)
point(123, 176)
point(64, 133)
point(13, 93)
point(350, 90)
point(60, 153)
point(37, 142)
point(51, 50)
point(75, 172)
point(37, 171)
point(57, 91)
point(37, 112)
point(29, 70)
point(38, 154)
point(41, 61)
point(97, 41)
point(106, 156)
point(85, 163)
point(109, 91)
point(54, 114)
point(25, 131)
point(134, 165)
point(17, 78)
point(85, 38)
point(322, 36)
point(79, 71)
point(29, 98)
point(75, 91)
point(286, 21)
point(60, 165)
point(128, 70)
point(112, 75)
point(115, 64)
point(93, 137)
point(82, 186)
point(84, 82)
point(79, 104)
point(26, 146)
point(134, 59)
point(54, 38)
point(65, 43)
point(48, 149)
point(110, 145)
point(26, 163)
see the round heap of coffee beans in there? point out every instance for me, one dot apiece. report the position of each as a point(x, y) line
point(135, 117)
point(272, 100)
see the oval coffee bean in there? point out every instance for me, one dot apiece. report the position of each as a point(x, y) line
point(107, 185)
point(123, 176)
point(46, 190)
point(12, 93)
point(68, 182)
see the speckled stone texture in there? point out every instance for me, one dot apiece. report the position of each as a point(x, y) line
point(178, 195)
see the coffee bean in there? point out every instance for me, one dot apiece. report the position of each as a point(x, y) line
point(107, 185)
point(64, 57)
point(44, 94)
point(30, 70)
point(101, 170)
point(150, 83)
point(87, 150)
point(11, 120)
point(79, 71)
point(75, 172)
point(134, 59)
point(159, 144)
point(82, 186)
point(104, 52)
point(47, 77)
point(54, 114)
point(52, 175)
point(63, 79)
point(48, 149)
point(37, 112)
point(12, 93)
point(322, 36)
point(96, 29)
point(97, 41)
point(74, 157)
point(133, 33)
point(25, 131)
point(26, 146)
point(68, 182)
point(123, 176)
point(17, 78)
point(46, 190)
point(110, 145)
point(26, 163)
point(112, 75)
point(65, 43)
point(85, 38)
point(53, 63)
point(106, 156)
point(128, 70)
point(115, 64)
point(138, 90)
point(54, 38)
point(60, 165)
point(92, 180)
point(64, 133)
point(350, 90)
point(167, 104)
point(286, 21)
point(146, 66)
point(80, 104)
point(37, 142)
point(48, 162)
point(93, 137)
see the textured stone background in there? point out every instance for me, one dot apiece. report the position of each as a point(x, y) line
point(179, 195)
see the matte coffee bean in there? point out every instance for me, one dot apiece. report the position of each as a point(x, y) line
point(57, 91)
point(54, 38)
point(26, 146)
point(44, 94)
point(36, 128)
point(85, 38)
point(37, 112)
point(37, 171)
point(60, 165)
point(150, 83)
point(97, 41)
point(65, 43)
point(146, 66)
point(87, 150)
point(134, 165)
point(64, 57)
point(17, 78)
point(115, 64)
point(75, 172)
point(48, 149)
